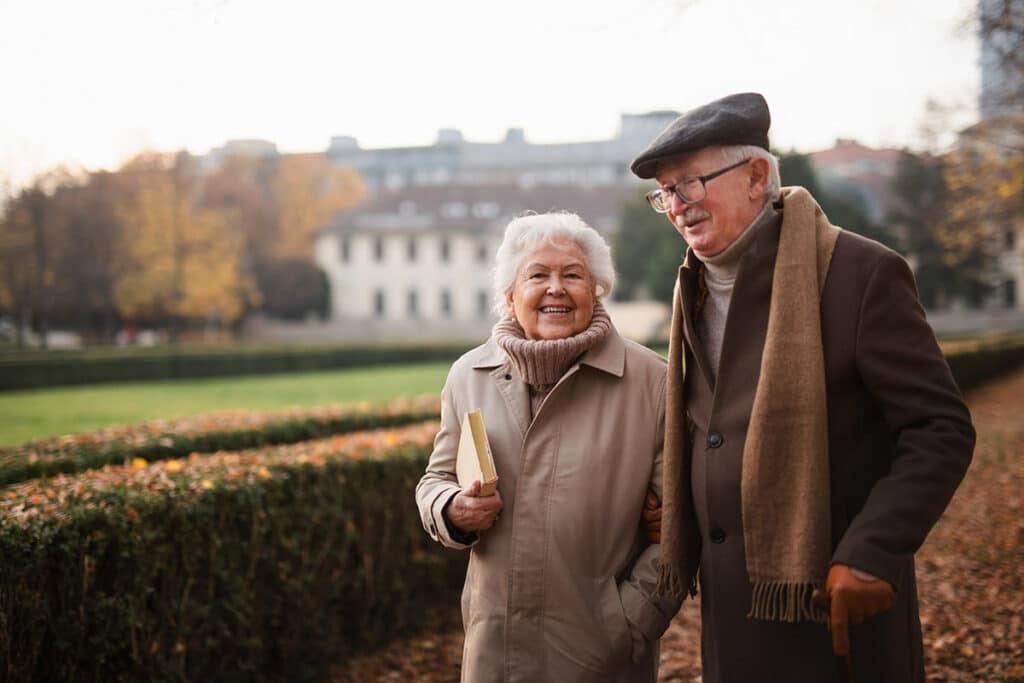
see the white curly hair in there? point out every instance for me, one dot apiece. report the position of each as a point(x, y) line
point(528, 232)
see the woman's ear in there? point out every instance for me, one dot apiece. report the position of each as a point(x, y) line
point(508, 302)
point(758, 178)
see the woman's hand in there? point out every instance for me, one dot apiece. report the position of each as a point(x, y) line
point(471, 512)
point(652, 517)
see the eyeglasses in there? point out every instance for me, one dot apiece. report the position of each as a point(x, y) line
point(690, 189)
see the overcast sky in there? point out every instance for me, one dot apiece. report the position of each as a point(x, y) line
point(91, 83)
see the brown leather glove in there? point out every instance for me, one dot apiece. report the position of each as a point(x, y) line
point(852, 600)
point(652, 517)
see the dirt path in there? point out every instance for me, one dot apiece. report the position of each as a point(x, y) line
point(970, 577)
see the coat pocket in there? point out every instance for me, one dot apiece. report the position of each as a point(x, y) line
point(616, 626)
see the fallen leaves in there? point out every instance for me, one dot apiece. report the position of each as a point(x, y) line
point(971, 568)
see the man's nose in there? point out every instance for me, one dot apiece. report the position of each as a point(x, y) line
point(676, 206)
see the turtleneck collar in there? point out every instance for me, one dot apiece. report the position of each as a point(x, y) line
point(542, 362)
point(723, 266)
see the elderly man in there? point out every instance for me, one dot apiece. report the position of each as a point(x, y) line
point(814, 433)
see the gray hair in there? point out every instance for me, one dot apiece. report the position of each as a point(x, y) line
point(524, 234)
point(733, 154)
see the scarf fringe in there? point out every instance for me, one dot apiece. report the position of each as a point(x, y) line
point(787, 602)
point(670, 584)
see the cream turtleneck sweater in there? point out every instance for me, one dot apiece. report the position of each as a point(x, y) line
point(719, 277)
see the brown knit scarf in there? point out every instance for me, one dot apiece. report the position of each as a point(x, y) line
point(542, 362)
point(785, 480)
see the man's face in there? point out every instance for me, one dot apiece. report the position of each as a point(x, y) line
point(732, 201)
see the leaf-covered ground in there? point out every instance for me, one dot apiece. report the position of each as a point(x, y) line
point(970, 578)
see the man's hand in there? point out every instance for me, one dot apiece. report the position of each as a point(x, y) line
point(469, 511)
point(854, 596)
point(652, 517)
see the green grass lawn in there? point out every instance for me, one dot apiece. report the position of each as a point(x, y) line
point(40, 413)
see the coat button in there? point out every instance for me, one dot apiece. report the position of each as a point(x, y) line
point(715, 440)
point(508, 376)
point(717, 536)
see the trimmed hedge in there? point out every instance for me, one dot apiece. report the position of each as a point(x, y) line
point(32, 370)
point(71, 454)
point(974, 366)
point(268, 572)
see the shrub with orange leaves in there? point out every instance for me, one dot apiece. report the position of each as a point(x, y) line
point(257, 565)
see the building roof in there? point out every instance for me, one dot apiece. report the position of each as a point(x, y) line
point(850, 152)
point(477, 208)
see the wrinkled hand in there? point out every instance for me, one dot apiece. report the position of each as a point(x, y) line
point(652, 517)
point(853, 596)
point(470, 511)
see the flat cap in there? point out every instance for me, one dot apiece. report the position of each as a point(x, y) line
point(740, 119)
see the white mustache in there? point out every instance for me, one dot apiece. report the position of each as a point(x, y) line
point(691, 216)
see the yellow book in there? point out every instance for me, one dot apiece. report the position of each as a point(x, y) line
point(474, 460)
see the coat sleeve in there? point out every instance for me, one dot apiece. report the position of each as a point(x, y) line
point(439, 483)
point(909, 381)
point(648, 614)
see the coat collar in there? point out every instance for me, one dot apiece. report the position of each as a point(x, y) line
point(609, 356)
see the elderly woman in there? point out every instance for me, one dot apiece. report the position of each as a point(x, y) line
point(560, 584)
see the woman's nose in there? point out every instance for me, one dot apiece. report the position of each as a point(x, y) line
point(555, 286)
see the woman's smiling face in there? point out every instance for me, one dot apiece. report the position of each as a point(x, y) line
point(553, 295)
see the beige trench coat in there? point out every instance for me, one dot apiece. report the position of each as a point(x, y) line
point(561, 588)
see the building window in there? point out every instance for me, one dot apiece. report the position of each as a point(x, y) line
point(483, 303)
point(378, 249)
point(446, 251)
point(412, 249)
point(413, 303)
point(1010, 293)
point(446, 303)
point(486, 210)
point(345, 250)
point(454, 210)
point(379, 304)
point(482, 253)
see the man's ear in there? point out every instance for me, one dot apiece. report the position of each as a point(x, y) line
point(758, 177)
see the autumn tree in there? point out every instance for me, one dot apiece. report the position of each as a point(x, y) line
point(85, 263)
point(178, 259)
point(983, 171)
point(309, 191)
point(984, 175)
point(20, 269)
point(243, 190)
point(30, 243)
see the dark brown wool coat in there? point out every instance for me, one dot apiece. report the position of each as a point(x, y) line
point(900, 441)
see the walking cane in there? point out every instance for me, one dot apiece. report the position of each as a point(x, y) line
point(844, 667)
